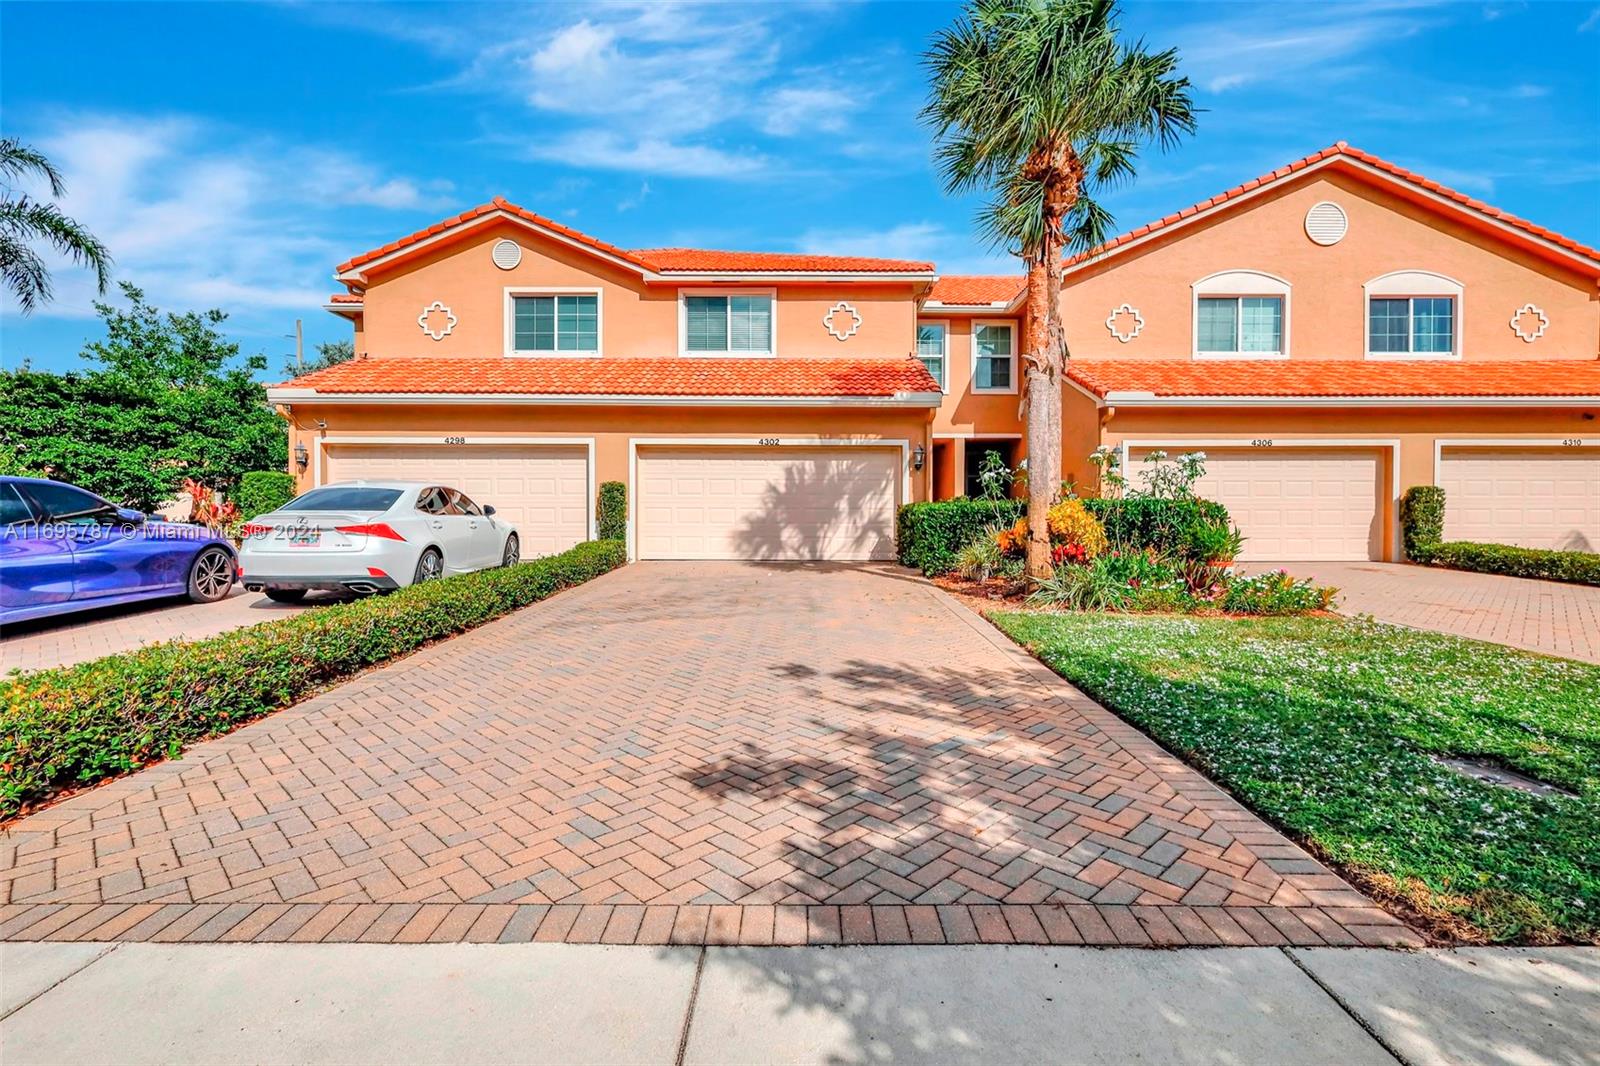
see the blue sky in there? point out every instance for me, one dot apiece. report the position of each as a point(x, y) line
point(230, 155)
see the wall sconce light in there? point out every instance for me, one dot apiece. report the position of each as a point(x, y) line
point(919, 456)
point(302, 458)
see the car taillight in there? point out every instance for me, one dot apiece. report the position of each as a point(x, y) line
point(254, 529)
point(373, 529)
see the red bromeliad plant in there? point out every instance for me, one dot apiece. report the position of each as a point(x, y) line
point(209, 508)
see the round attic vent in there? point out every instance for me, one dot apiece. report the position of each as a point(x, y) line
point(1326, 223)
point(506, 254)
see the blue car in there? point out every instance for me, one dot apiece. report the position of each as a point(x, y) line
point(63, 549)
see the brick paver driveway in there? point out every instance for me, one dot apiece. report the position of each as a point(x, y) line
point(84, 635)
point(1542, 616)
point(684, 753)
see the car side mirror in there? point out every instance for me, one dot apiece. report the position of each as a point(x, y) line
point(488, 509)
point(129, 517)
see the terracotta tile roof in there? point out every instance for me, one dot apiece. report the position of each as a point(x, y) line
point(499, 203)
point(345, 298)
point(655, 260)
point(1345, 151)
point(623, 377)
point(668, 260)
point(977, 288)
point(1352, 377)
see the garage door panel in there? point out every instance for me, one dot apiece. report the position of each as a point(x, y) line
point(542, 490)
point(741, 503)
point(1535, 497)
point(1298, 503)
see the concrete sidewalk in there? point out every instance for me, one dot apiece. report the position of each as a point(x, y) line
point(352, 1003)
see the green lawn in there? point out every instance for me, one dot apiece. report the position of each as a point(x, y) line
point(1323, 726)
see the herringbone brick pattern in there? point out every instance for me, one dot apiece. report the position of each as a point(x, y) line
point(677, 753)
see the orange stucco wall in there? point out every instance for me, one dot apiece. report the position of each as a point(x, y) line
point(1326, 308)
point(636, 320)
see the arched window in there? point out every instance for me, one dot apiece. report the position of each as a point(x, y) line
point(1413, 314)
point(1241, 314)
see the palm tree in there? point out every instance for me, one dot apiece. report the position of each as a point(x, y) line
point(25, 220)
point(1039, 103)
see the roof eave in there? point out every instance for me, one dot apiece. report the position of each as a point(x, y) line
point(1139, 398)
point(290, 396)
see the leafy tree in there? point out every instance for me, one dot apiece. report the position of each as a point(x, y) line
point(167, 397)
point(329, 353)
point(1042, 105)
point(25, 221)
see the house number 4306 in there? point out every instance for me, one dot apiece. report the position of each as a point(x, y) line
point(1261, 442)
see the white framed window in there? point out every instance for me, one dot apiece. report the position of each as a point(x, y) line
point(933, 348)
point(1413, 314)
point(1241, 314)
point(994, 356)
point(722, 322)
point(553, 322)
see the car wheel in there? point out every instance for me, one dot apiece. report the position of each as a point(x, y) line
point(430, 567)
point(211, 576)
point(286, 595)
point(513, 551)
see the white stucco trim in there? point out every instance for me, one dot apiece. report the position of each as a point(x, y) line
point(460, 440)
point(509, 315)
point(1392, 444)
point(765, 443)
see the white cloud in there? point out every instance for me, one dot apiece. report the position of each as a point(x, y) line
point(799, 110)
point(628, 203)
point(199, 215)
point(655, 88)
point(1591, 22)
point(953, 253)
point(605, 150)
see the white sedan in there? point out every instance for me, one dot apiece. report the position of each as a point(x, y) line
point(371, 536)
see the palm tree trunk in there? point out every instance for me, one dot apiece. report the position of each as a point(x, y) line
point(1042, 358)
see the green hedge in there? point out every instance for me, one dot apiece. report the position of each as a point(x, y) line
point(611, 511)
point(1578, 568)
point(261, 491)
point(80, 724)
point(1421, 518)
point(928, 535)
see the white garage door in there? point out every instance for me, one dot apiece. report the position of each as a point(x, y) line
point(767, 503)
point(1296, 503)
point(1535, 497)
point(542, 490)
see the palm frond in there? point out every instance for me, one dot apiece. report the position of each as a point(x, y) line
point(18, 159)
point(26, 219)
point(24, 273)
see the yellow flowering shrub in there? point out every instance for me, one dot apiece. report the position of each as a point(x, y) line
point(1072, 526)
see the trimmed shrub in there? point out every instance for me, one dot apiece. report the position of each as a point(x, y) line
point(1421, 519)
point(80, 724)
point(1578, 568)
point(611, 511)
point(928, 535)
point(1276, 593)
point(1143, 522)
point(261, 491)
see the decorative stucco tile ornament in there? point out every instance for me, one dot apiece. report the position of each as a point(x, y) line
point(1125, 323)
point(437, 320)
point(1529, 322)
point(842, 321)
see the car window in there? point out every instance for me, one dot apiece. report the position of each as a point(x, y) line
point(460, 504)
point(13, 508)
point(61, 502)
point(433, 501)
point(343, 498)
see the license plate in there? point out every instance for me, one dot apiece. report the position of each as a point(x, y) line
point(305, 537)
